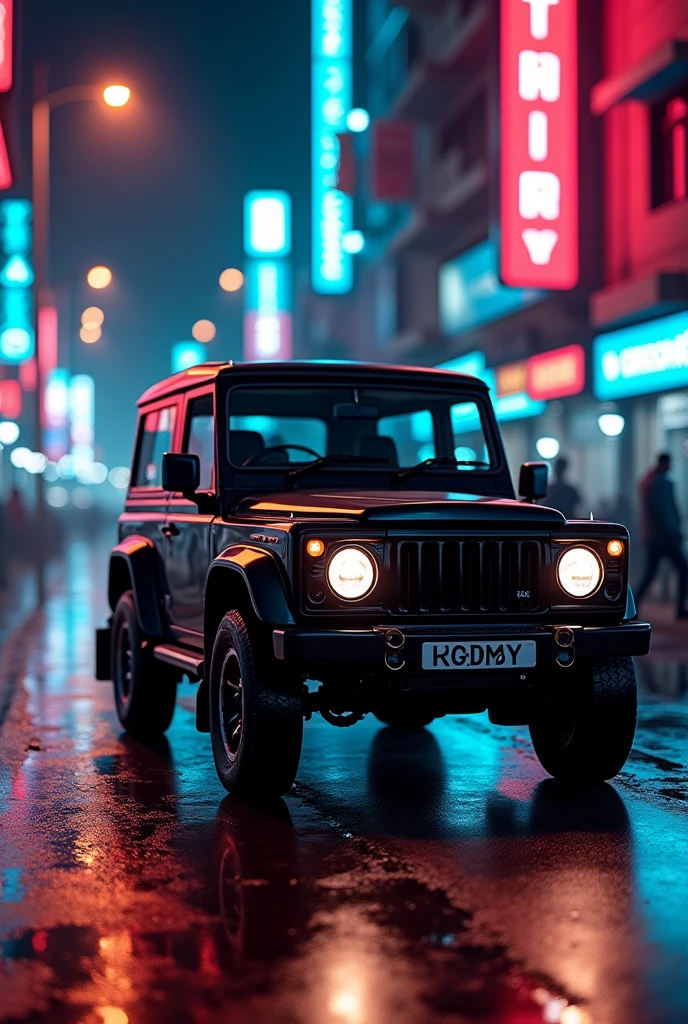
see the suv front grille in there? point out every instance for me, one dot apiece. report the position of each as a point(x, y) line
point(465, 576)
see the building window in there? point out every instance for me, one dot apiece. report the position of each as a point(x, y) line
point(670, 149)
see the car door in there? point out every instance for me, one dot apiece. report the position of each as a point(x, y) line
point(188, 523)
point(145, 509)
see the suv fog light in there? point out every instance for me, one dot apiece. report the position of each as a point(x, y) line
point(579, 572)
point(351, 574)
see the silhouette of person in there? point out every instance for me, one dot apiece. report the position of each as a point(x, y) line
point(662, 537)
point(561, 494)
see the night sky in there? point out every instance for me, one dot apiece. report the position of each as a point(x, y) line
point(220, 105)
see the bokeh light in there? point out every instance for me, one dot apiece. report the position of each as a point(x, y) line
point(82, 497)
point(92, 317)
point(119, 477)
point(9, 432)
point(99, 277)
point(358, 120)
point(57, 497)
point(547, 447)
point(89, 335)
point(231, 280)
point(204, 330)
point(19, 456)
point(116, 95)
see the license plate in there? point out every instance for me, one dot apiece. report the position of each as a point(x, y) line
point(478, 654)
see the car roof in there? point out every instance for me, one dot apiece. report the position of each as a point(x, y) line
point(337, 369)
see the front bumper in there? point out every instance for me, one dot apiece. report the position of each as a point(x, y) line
point(369, 647)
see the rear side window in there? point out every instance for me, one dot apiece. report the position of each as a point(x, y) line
point(155, 439)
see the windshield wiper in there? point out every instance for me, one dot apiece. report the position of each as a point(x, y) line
point(293, 474)
point(444, 460)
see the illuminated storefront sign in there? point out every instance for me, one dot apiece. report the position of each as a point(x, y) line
point(512, 379)
point(332, 92)
point(6, 39)
point(641, 359)
point(56, 414)
point(513, 406)
point(267, 319)
point(267, 224)
point(470, 292)
point(556, 374)
point(16, 278)
point(539, 143)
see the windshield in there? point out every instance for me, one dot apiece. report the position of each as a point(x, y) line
point(386, 428)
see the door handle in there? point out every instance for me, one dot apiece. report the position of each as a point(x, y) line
point(170, 530)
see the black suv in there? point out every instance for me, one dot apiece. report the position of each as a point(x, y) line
point(357, 526)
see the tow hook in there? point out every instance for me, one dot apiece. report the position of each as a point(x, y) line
point(394, 655)
point(564, 638)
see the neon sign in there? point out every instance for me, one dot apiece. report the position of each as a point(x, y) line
point(556, 374)
point(539, 143)
point(267, 320)
point(641, 359)
point(267, 224)
point(512, 406)
point(16, 278)
point(332, 93)
point(6, 34)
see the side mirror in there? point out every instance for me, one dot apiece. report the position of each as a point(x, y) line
point(532, 481)
point(181, 473)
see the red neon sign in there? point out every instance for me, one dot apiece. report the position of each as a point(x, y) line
point(6, 37)
point(10, 399)
point(556, 374)
point(539, 143)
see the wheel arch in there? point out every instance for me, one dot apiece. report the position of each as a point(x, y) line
point(248, 580)
point(134, 566)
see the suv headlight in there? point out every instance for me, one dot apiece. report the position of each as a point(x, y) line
point(351, 573)
point(579, 572)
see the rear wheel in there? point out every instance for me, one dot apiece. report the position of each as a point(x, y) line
point(145, 693)
point(256, 714)
point(585, 733)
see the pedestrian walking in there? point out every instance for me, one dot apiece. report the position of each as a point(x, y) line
point(561, 494)
point(662, 535)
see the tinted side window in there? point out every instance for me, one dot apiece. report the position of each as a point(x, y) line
point(200, 438)
point(155, 439)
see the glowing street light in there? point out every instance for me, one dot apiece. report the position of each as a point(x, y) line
point(231, 280)
point(116, 95)
point(204, 330)
point(99, 277)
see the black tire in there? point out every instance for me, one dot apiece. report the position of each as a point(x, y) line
point(586, 733)
point(256, 714)
point(145, 693)
point(406, 720)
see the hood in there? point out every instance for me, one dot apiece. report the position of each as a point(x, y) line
point(400, 506)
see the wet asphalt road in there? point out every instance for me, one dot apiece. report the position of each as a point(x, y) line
point(436, 876)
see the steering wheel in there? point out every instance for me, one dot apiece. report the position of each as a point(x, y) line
point(257, 456)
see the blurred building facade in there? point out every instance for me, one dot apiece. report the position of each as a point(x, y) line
point(426, 181)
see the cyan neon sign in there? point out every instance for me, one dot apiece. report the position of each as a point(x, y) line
point(641, 359)
point(16, 278)
point(332, 93)
point(267, 224)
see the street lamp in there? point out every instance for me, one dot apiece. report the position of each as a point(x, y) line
point(44, 102)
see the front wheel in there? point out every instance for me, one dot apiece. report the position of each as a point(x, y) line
point(585, 733)
point(256, 714)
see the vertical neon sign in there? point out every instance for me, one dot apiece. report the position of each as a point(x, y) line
point(332, 94)
point(267, 292)
point(539, 143)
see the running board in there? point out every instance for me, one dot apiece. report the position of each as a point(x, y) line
point(187, 661)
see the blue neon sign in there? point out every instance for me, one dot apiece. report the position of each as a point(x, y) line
point(472, 294)
point(17, 342)
point(267, 224)
point(641, 359)
point(332, 95)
